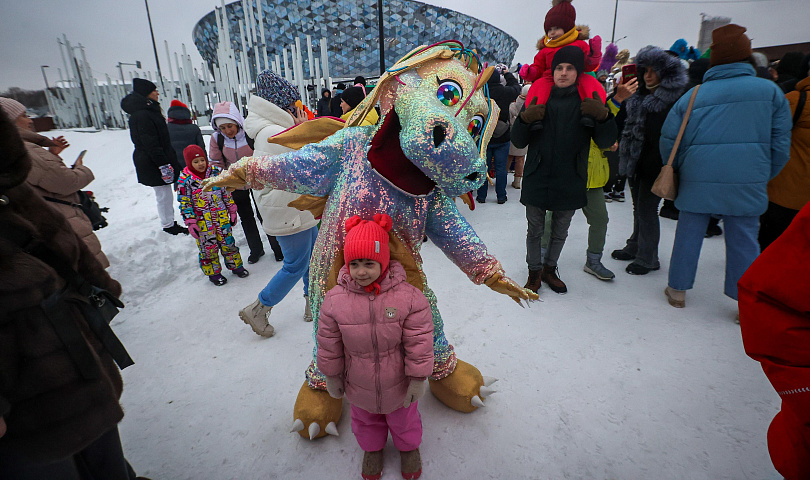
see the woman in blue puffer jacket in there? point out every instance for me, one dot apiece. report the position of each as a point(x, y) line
point(737, 139)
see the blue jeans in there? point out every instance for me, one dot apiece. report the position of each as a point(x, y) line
point(741, 249)
point(496, 155)
point(297, 249)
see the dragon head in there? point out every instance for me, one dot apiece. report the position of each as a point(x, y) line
point(437, 120)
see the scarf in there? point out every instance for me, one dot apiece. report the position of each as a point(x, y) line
point(567, 38)
point(374, 287)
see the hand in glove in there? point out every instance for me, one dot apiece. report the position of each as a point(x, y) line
point(507, 286)
point(595, 56)
point(231, 179)
point(416, 389)
point(193, 228)
point(167, 172)
point(524, 69)
point(232, 214)
point(533, 112)
point(334, 385)
point(594, 107)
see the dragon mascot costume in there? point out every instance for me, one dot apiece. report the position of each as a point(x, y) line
point(427, 149)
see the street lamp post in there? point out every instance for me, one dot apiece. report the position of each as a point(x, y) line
point(382, 36)
point(615, 10)
point(154, 46)
point(137, 64)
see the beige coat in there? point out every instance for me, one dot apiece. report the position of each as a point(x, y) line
point(50, 177)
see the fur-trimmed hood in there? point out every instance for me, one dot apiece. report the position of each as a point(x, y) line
point(670, 70)
point(584, 34)
point(669, 90)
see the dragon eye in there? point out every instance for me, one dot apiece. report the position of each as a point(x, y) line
point(449, 92)
point(475, 126)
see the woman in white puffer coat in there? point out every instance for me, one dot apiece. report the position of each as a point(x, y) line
point(271, 111)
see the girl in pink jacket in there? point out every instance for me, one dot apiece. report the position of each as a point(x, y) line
point(375, 345)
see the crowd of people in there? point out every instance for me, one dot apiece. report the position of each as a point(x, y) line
point(574, 126)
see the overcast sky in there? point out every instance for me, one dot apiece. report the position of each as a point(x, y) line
point(115, 31)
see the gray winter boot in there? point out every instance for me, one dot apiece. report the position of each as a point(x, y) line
point(593, 265)
point(307, 311)
point(255, 315)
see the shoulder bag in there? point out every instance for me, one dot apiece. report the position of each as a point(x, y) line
point(666, 185)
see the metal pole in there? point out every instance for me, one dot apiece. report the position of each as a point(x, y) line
point(615, 9)
point(382, 37)
point(154, 46)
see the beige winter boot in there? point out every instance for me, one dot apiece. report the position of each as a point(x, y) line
point(516, 182)
point(307, 311)
point(676, 298)
point(372, 465)
point(255, 315)
point(411, 464)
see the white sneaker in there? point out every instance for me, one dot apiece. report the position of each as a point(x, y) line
point(307, 311)
point(255, 315)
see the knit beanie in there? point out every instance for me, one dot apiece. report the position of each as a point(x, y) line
point(143, 87)
point(276, 90)
point(12, 108)
point(791, 64)
point(178, 103)
point(562, 14)
point(368, 239)
point(729, 45)
point(353, 96)
point(189, 154)
point(569, 54)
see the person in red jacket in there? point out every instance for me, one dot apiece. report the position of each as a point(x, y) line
point(561, 30)
point(775, 321)
point(375, 344)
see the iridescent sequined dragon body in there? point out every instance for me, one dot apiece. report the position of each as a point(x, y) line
point(427, 149)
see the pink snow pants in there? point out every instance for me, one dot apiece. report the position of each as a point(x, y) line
point(371, 429)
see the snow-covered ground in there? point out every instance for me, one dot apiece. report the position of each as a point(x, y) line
point(606, 382)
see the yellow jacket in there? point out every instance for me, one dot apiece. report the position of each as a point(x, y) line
point(371, 119)
point(598, 168)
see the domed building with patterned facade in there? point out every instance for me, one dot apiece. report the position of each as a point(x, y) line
point(351, 30)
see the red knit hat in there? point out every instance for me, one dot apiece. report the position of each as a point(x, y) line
point(178, 103)
point(189, 154)
point(562, 14)
point(367, 239)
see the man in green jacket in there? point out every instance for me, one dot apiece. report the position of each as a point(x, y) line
point(556, 172)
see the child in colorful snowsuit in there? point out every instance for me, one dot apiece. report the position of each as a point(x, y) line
point(228, 144)
point(375, 344)
point(209, 216)
point(561, 30)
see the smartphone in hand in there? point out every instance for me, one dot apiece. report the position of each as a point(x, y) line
point(628, 72)
point(79, 159)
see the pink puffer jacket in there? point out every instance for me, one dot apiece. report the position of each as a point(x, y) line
point(376, 341)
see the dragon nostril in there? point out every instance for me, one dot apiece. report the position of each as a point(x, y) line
point(472, 177)
point(438, 135)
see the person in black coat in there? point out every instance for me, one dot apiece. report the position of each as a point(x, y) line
point(182, 132)
point(498, 147)
point(556, 172)
point(324, 109)
point(662, 79)
point(334, 105)
point(154, 156)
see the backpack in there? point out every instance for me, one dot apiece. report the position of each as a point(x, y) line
point(221, 142)
point(87, 204)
